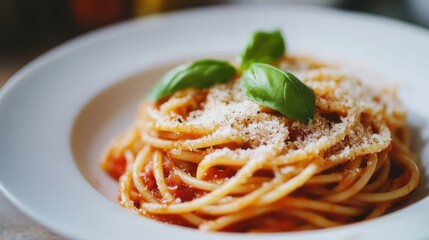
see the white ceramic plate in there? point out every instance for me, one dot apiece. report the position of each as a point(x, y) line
point(58, 112)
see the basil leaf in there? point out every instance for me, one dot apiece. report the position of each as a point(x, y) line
point(199, 74)
point(263, 47)
point(280, 90)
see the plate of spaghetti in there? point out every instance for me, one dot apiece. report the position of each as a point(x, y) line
point(288, 125)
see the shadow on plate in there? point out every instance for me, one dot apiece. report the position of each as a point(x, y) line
point(105, 117)
point(420, 146)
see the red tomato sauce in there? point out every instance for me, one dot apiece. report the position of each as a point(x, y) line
point(115, 167)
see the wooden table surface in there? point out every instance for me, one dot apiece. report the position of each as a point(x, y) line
point(15, 225)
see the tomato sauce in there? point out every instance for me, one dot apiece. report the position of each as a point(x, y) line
point(115, 166)
point(149, 181)
point(175, 185)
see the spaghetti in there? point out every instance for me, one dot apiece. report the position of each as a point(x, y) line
point(214, 160)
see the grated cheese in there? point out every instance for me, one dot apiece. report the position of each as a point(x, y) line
point(232, 114)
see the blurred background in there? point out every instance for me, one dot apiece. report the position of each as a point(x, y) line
point(31, 27)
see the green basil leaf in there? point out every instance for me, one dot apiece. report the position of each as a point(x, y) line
point(199, 74)
point(263, 47)
point(279, 90)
